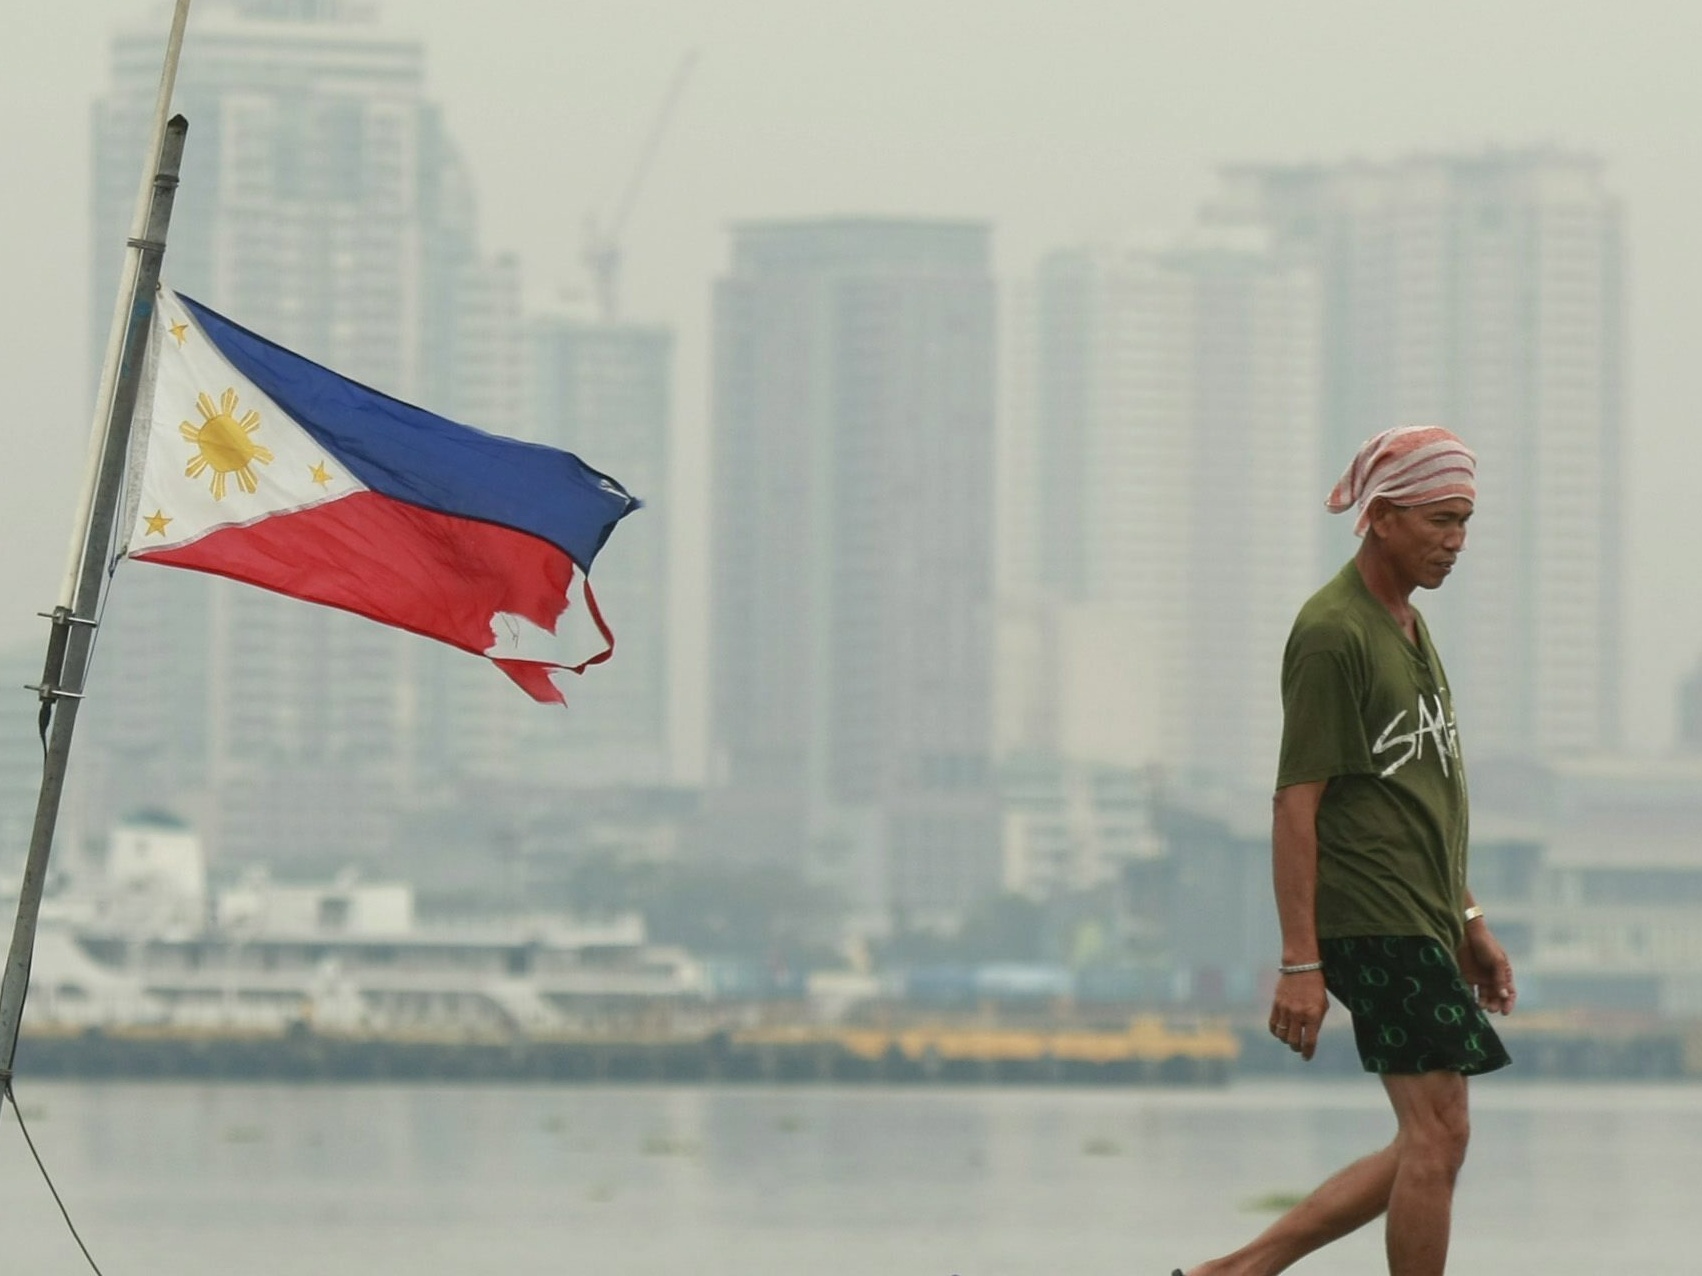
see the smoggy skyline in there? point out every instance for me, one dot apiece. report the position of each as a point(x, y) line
point(1056, 126)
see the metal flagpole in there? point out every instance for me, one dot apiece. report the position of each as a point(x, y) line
point(70, 643)
point(124, 303)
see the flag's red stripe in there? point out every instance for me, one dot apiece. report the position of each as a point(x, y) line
point(608, 635)
point(534, 679)
point(431, 573)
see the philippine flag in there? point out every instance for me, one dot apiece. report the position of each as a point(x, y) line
point(258, 465)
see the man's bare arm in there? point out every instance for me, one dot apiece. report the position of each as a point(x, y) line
point(1298, 1009)
point(1484, 964)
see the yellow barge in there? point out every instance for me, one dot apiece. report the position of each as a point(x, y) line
point(1146, 1048)
point(1142, 1050)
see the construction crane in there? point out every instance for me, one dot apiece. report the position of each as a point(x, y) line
point(602, 252)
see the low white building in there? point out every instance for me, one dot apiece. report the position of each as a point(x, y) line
point(1070, 826)
point(1614, 916)
point(345, 907)
point(156, 875)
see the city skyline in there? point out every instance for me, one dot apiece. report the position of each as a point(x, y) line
point(691, 448)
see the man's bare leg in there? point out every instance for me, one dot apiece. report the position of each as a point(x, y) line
point(1343, 1203)
point(1435, 1126)
point(1413, 1179)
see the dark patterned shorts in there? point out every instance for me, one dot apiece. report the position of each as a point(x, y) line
point(1412, 1011)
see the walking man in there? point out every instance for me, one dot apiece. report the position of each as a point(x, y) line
point(1369, 850)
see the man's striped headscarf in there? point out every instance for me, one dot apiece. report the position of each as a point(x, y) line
point(1408, 465)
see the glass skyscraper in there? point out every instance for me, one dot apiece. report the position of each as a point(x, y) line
point(852, 558)
point(1484, 292)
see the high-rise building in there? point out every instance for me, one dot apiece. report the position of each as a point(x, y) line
point(1484, 292)
point(604, 390)
point(322, 205)
point(1163, 452)
point(853, 421)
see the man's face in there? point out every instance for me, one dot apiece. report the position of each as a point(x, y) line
point(1422, 542)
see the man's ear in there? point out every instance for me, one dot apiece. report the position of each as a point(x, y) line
point(1378, 513)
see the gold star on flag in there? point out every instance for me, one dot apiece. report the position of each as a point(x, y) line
point(320, 474)
point(156, 523)
point(179, 330)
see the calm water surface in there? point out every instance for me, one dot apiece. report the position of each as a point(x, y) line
point(351, 1181)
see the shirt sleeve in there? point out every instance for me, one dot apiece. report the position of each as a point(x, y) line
point(1323, 730)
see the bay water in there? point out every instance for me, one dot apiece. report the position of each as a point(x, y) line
point(273, 1180)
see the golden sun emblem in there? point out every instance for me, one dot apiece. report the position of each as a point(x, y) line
point(224, 445)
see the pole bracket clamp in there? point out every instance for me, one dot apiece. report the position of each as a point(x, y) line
point(52, 693)
point(49, 690)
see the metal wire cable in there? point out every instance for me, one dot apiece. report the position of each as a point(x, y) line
point(48, 1178)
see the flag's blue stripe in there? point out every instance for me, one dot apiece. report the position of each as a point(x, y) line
point(416, 456)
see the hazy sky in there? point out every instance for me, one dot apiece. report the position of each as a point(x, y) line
point(1054, 121)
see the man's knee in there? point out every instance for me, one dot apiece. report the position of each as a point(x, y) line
point(1435, 1125)
point(1436, 1142)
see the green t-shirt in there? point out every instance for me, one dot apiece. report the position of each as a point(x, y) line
point(1369, 712)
